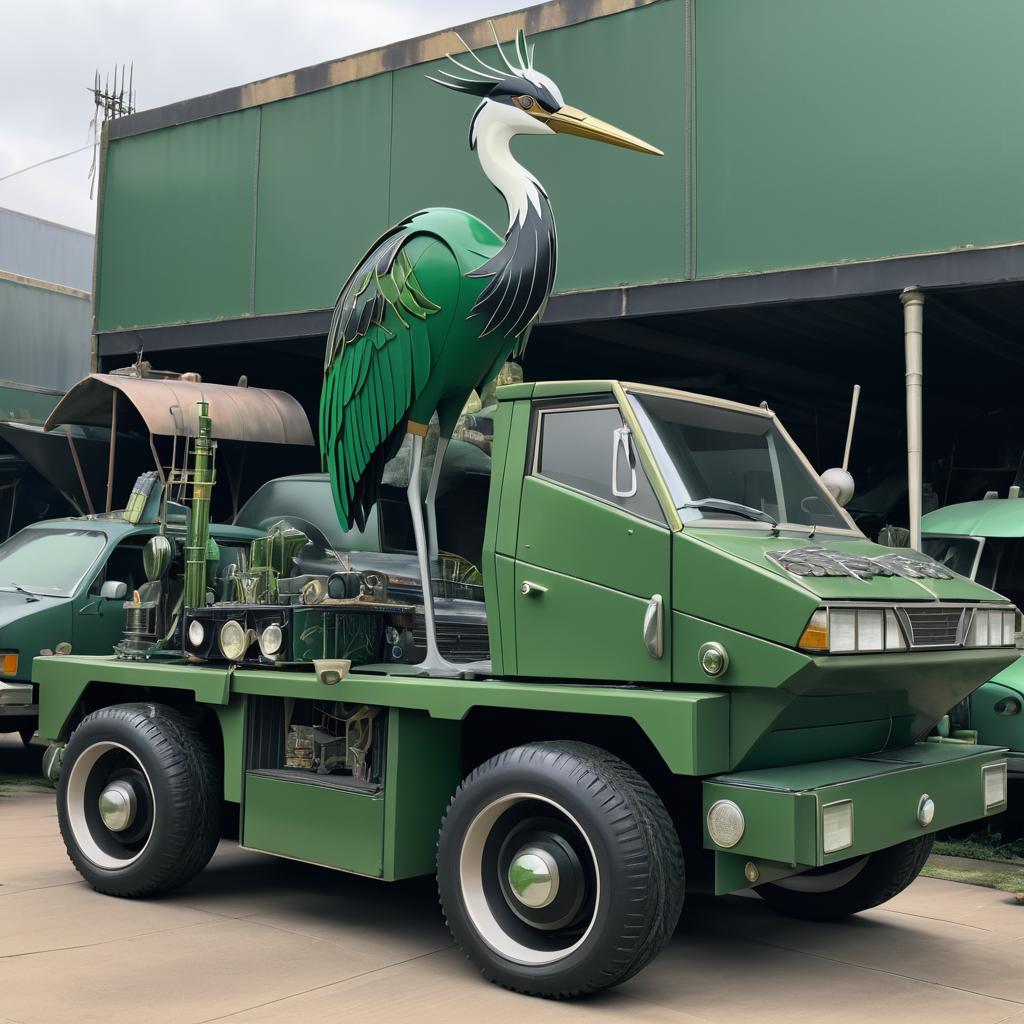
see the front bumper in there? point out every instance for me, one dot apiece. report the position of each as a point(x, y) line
point(16, 700)
point(783, 808)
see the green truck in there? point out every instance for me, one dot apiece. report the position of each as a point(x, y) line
point(701, 675)
point(984, 541)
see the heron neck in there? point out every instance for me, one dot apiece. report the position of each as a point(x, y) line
point(518, 187)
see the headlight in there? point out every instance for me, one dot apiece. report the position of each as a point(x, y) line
point(196, 633)
point(725, 823)
point(853, 630)
point(234, 640)
point(993, 781)
point(991, 627)
point(837, 826)
point(271, 639)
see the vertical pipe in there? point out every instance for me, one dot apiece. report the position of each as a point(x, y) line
point(113, 449)
point(199, 520)
point(849, 429)
point(78, 469)
point(913, 344)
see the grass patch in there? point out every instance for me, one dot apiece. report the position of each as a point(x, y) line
point(1004, 876)
point(984, 845)
point(9, 784)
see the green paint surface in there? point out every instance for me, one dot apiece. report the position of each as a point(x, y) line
point(322, 198)
point(176, 229)
point(996, 517)
point(847, 131)
point(319, 824)
point(782, 806)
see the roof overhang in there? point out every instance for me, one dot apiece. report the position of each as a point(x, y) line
point(168, 408)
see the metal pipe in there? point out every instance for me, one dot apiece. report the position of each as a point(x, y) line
point(78, 470)
point(199, 520)
point(113, 449)
point(849, 429)
point(913, 344)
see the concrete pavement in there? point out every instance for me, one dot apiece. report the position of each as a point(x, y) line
point(254, 939)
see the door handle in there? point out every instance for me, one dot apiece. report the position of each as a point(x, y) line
point(528, 588)
point(654, 626)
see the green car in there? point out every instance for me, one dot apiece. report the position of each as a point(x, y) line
point(65, 581)
point(984, 541)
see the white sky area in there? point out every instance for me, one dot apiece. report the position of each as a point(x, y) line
point(50, 49)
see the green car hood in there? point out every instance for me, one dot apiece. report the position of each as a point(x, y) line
point(29, 626)
point(756, 547)
point(726, 576)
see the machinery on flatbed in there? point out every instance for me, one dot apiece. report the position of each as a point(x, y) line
point(701, 674)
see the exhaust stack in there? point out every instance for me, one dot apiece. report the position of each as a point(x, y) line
point(199, 521)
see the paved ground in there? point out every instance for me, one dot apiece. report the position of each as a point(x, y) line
point(257, 939)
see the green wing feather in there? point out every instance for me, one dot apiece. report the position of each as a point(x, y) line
point(378, 360)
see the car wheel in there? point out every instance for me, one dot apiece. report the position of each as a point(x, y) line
point(559, 869)
point(138, 800)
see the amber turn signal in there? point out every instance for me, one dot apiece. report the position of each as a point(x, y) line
point(815, 634)
point(8, 664)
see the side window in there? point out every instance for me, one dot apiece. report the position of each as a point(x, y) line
point(575, 448)
point(123, 565)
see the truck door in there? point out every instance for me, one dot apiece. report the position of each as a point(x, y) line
point(99, 620)
point(592, 559)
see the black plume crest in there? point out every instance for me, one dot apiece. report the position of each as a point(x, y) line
point(485, 77)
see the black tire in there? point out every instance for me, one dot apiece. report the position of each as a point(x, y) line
point(175, 789)
point(620, 880)
point(880, 876)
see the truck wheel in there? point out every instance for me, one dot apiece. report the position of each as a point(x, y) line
point(559, 869)
point(835, 892)
point(138, 800)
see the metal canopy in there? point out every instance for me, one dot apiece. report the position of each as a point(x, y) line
point(168, 408)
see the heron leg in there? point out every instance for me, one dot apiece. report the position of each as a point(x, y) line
point(433, 664)
point(435, 478)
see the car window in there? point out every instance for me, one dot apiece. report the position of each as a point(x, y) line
point(48, 561)
point(575, 448)
point(124, 565)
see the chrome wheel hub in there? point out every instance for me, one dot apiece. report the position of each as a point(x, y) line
point(533, 877)
point(117, 805)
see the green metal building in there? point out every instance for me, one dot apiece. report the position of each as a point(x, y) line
point(820, 158)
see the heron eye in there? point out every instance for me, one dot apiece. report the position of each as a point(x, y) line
point(526, 102)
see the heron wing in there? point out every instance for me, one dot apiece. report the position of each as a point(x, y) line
point(377, 363)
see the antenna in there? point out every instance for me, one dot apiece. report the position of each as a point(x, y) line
point(112, 101)
point(849, 430)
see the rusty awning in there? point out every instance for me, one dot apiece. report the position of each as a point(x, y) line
point(168, 408)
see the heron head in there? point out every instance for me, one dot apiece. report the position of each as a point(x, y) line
point(523, 101)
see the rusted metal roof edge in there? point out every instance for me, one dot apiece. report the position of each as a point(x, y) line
point(407, 52)
point(167, 408)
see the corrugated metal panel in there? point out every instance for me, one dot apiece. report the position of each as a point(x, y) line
point(44, 336)
point(46, 251)
point(333, 169)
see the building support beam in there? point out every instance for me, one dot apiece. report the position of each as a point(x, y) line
point(913, 344)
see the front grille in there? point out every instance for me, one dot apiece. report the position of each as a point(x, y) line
point(459, 642)
point(933, 626)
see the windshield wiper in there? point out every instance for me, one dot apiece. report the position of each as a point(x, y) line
point(733, 508)
point(28, 593)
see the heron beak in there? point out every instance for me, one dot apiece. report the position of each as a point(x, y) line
point(570, 121)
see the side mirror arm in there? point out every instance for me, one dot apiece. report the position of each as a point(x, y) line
point(622, 444)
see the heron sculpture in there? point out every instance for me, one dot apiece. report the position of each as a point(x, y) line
point(440, 302)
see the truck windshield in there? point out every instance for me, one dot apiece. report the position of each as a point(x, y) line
point(956, 553)
point(727, 465)
point(49, 562)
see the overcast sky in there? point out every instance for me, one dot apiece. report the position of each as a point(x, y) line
point(49, 50)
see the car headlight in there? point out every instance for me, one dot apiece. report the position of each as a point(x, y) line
point(271, 639)
point(991, 627)
point(234, 640)
point(853, 630)
point(196, 633)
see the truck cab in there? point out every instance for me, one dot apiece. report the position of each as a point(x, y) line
point(701, 675)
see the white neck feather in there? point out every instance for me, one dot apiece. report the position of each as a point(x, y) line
point(517, 185)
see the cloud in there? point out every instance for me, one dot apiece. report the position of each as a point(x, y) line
point(49, 50)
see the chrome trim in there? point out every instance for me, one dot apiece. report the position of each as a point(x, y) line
point(654, 626)
point(620, 444)
point(15, 694)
